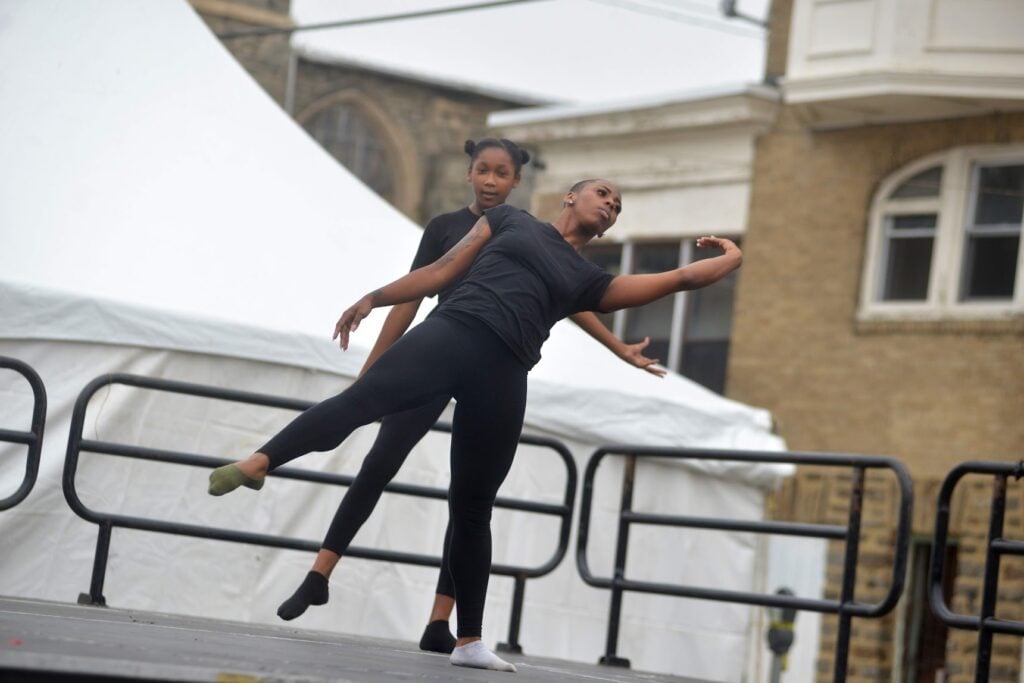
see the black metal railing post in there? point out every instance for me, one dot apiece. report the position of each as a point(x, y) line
point(611, 657)
point(515, 619)
point(32, 438)
point(846, 607)
point(990, 587)
point(986, 623)
point(849, 574)
point(107, 521)
point(99, 568)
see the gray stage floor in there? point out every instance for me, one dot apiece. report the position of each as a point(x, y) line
point(44, 641)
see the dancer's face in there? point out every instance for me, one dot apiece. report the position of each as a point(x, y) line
point(597, 205)
point(493, 176)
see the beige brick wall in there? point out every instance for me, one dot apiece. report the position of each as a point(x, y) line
point(930, 395)
point(777, 50)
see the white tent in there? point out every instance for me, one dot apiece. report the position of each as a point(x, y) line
point(159, 215)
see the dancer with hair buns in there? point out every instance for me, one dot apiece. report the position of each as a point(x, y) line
point(494, 171)
point(521, 276)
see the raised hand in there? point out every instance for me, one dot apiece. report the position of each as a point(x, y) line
point(633, 354)
point(349, 320)
point(719, 242)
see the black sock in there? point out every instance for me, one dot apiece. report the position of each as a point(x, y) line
point(437, 638)
point(313, 591)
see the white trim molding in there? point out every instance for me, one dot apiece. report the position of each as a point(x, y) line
point(856, 62)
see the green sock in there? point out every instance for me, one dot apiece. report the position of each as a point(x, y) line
point(228, 478)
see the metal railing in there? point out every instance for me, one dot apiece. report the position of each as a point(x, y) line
point(107, 521)
point(846, 607)
point(32, 438)
point(986, 624)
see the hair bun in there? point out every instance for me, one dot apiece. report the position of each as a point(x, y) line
point(524, 156)
point(470, 147)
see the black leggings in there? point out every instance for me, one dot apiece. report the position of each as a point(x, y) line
point(398, 435)
point(443, 356)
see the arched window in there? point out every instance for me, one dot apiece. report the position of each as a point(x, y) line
point(369, 143)
point(349, 136)
point(944, 238)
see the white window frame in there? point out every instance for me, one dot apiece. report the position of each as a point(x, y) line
point(678, 334)
point(953, 208)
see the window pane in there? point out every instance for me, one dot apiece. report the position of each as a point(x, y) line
point(351, 139)
point(1000, 195)
point(908, 257)
point(907, 269)
point(709, 310)
point(609, 257)
point(705, 349)
point(655, 319)
point(704, 362)
point(990, 267)
point(924, 184)
point(905, 223)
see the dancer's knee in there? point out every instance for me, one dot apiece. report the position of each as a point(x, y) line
point(378, 467)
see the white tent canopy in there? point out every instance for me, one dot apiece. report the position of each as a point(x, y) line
point(160, 215)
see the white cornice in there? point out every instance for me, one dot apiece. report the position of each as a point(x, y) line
point(753, 105)
point(887, 97)
point(873, 84)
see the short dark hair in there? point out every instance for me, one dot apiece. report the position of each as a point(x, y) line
point(518, 155)
point(581, 184)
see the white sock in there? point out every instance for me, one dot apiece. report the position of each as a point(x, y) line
point(476, 655)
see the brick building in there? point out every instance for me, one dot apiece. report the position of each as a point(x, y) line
point(881, 304)
point(878, 197)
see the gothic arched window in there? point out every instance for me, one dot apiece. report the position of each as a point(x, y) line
point(351, 138)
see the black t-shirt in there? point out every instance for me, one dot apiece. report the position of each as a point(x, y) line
point(524, 280)
point(441, 234)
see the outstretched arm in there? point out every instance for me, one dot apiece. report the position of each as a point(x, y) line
point(631, 353)
point(419, 283)
point(628, 291)
point(395, 325)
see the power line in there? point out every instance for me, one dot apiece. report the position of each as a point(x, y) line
point(681, 17)
point(251, 33)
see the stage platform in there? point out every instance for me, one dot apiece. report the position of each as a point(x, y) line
point(50, 641)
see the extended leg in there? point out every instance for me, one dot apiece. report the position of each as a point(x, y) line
point(398, 435)
point(419, 367)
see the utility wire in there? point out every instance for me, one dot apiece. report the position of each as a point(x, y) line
point(630, 6)
point(251, 33)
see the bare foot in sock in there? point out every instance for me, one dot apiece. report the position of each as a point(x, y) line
point(437, 637)
point(476, 656)
point(312, 591)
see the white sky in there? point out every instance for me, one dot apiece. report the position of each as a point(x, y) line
point(556, 50)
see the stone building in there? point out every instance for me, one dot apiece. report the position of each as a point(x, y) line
point(400, 134)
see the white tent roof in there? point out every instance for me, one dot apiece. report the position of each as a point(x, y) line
point(152, 194)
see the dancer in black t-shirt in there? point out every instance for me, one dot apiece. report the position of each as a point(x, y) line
point(494, 171)
point(521, 276)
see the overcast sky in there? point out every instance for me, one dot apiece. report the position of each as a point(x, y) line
point(556, 50)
